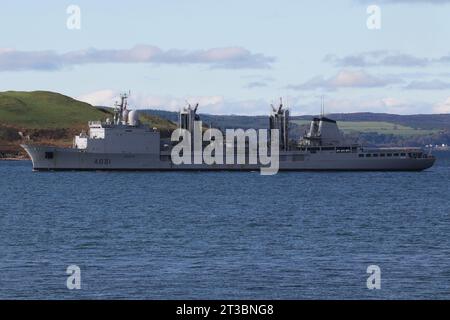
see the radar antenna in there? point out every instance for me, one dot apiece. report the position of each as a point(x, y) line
point(187, 116)
point(281, 105)
point(273, 108)
point(322, 106)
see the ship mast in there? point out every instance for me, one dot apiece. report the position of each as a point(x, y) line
point(121, 108)
point(279, 119)
point(187, 117)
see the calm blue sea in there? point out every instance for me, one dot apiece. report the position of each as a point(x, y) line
point(224, 235)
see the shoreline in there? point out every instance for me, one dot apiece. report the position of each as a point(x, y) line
point(15, 159)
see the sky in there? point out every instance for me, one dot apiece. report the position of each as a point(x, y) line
point(233, 57)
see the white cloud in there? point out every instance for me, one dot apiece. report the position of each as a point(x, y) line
point(386, 104)
point(107, 97)
point(214, 104)
point(406, 1)
point(346, 79)
point(299, 104)
point(255, 84)
point(442, 107)
point(170, 103)
point(100, 98)
point(434, 84)
point(227, 58)
point(384, 58)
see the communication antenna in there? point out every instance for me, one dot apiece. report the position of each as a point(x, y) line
point(190, 106)
point(281, 105)
point(322, 106)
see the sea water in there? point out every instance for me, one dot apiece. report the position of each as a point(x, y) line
point(224, 235)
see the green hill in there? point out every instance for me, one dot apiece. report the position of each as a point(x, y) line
point(380, 127)
point(45, 110)
point(163, 125)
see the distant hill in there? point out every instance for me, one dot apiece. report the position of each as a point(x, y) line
point(431, 122)
point(163, 125)
point(217, 121)
point(416, 121)
point(372, 129)
point(45, 110)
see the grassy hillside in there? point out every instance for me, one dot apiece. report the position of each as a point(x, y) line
point(163, 125)
point(380, 127)
point(417, 121)
point(45, 110)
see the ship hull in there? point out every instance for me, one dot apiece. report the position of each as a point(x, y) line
point(48, 158)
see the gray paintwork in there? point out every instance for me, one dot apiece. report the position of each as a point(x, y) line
point(125, 144)
point(75, 159)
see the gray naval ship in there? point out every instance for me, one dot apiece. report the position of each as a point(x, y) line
point(127, 144)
